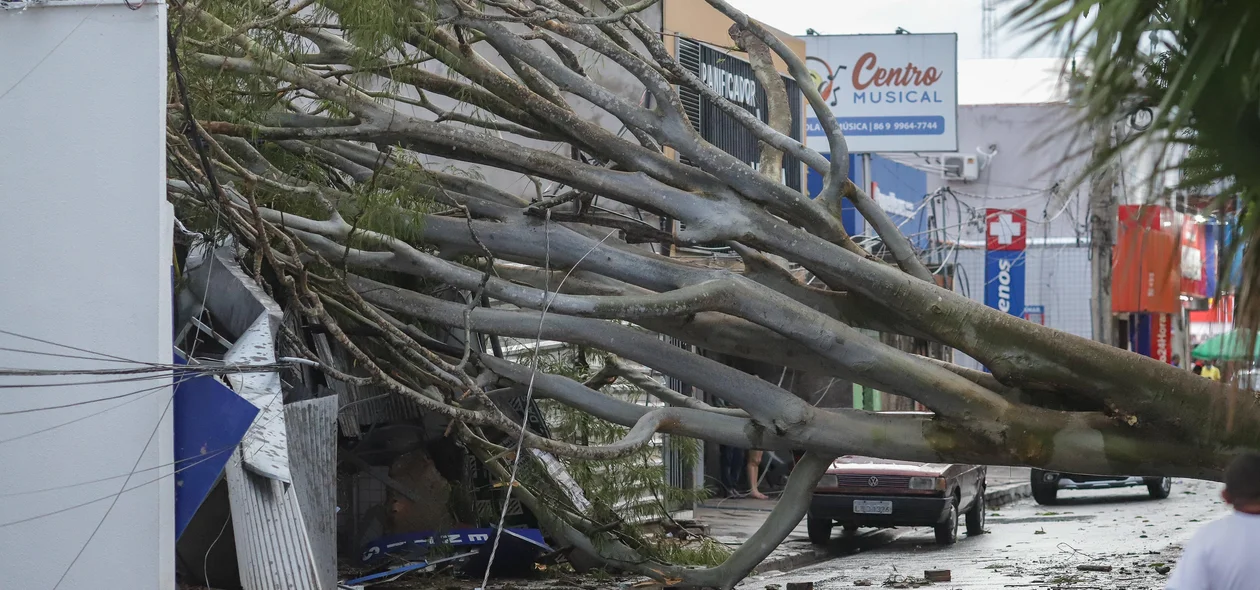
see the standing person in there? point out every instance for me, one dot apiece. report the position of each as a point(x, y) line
point(754, 467)
point(731, 463)
point(1211, 371)
point(1222, 555)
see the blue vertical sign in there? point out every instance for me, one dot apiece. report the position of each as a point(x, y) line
point(1211, 256)
point(1150, 334)
point(1140, 333)
point(1006, 239)
point(898, 189)
point(848, 214)
point(1229, 264)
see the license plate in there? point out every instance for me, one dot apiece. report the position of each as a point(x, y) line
point(872, 507)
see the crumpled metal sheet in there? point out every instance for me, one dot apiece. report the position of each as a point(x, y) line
point(361, 404)
point(265, 449)
point(272, 547)
point(230, 294)
point(312, 429)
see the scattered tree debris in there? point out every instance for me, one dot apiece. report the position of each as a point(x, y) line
point(1090, 567)
point(899, 581)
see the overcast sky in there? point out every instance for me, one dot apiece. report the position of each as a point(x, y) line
point(836, 17)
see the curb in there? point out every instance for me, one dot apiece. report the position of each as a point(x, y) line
point(1007, 494)
point(993, 498)
point(788, 563)
point(813, 556)
point(717, 506)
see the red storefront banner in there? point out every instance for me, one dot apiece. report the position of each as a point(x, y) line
point(1193, 258)
point(1146, 263)
point(1162, 328)
point(1221, 312)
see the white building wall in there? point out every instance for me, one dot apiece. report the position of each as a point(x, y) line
point(1036, 149)
point(1057, 277)
point(1030, 158)
point(86, 497)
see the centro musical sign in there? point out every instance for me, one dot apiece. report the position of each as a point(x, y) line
point(1007, 236)
point(889, 93)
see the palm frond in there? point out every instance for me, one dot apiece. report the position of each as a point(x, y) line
point(1195, 66)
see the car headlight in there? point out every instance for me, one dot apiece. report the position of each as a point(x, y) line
point(828, 481)
point(927, 483)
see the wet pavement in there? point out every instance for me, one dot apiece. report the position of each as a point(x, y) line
point(1028, 546)
point(731, 521)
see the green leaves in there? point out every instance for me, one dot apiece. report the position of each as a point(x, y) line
point(1201, 82)
point(633, 489)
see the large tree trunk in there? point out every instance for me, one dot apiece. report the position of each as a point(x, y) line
point(364, 177)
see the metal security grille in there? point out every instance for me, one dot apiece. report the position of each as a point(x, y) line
point(731, 77)
point(720, 129)
point(1057, 285)
point(865, 481)
point(689, 57)
point(679, 472)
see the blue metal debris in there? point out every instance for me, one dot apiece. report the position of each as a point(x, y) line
point(210, 421)
point(391, 574)
point(417, 543)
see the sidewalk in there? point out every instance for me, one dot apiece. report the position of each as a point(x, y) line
point(1006, 485)
point(732, 520)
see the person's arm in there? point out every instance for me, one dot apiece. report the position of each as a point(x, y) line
point(1191, 571)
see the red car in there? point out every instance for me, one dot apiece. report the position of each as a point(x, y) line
point(865, 492)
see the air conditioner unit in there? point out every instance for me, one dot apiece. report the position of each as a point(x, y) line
point(960, 167)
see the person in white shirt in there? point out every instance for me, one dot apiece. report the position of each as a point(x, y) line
point(1225, 554)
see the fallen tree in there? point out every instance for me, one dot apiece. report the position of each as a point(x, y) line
point(339, 143)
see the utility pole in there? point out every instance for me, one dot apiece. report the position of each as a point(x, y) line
point(988, 28)
point(1103, 211)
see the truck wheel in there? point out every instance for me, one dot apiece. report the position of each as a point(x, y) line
point(1044, 492)
point(947, 531)
point(1159, 488)
point(819, 530)
point(975, 516)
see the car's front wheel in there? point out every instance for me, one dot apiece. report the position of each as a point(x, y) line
point(1159, 488)
point(947, 530)
point(975, 516)
point(819, 530)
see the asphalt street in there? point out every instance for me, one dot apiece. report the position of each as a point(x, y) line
point(1029, 546)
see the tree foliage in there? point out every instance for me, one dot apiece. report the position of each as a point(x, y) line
point(359, 154)
point(1193, 67)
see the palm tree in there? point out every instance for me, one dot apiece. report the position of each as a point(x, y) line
point(1192, 67)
